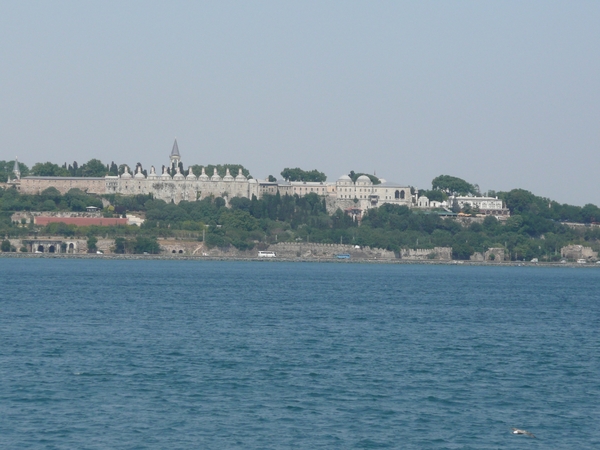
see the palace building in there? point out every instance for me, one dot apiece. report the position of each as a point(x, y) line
point(173, 186)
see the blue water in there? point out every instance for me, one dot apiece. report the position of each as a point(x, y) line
point(182, 354)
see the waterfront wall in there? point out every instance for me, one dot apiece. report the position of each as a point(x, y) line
point(436, 253)
point(578, 252)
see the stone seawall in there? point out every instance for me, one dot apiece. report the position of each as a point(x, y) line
point(439, 253)
point(308, 250)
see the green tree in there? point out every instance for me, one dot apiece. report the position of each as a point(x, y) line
point(91, 244)
point(461, 250)
point(297, 174)
point(123, 245)
point(6, 170)
point(113, 170)
point(49, 169)
point(93, 168)
point(453, 185)
point(5, 246)
point(434, 195)
point(146, 244)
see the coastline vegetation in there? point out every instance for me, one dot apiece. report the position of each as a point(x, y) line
point(536, 228)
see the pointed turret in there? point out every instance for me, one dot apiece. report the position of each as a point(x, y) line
point(175, 151)
point(16, 170)
point(175, 157)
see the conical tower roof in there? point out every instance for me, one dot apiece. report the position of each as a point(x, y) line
point(175, 151)
point(16, 169)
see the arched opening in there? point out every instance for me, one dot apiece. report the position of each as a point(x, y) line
point(402, 195)
point(51, 249)
point(71, 248)
point(40, 248)
point(397, 195)
point(180, 251)
point(173, 251)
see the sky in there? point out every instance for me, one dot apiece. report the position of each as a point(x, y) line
point(504, 94)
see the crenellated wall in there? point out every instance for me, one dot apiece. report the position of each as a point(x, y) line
point(436, 253)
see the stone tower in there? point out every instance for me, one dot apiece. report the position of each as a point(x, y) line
point(175, 157)
point(16, 170)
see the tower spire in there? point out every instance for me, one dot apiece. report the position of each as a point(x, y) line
point(16, 170)
point(175, 151)
point(175, 157)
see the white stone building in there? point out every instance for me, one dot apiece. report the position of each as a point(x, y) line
point(486, 205)
point(164, 186)
point(369, 195)
point(176, 187)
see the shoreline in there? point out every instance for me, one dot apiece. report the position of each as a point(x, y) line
point(298, 260)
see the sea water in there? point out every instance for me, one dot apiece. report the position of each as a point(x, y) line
point(119, 354)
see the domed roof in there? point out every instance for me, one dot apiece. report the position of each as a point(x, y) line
point(364, 179)
point(215, 176)
point(191, 175)
point(203, 176)
point(240, 176)
point(139, 175)
point(152, 173)
point(165, 174)
point(344, 178)
point(178, 175)
point(126, 173)
point(227, 176)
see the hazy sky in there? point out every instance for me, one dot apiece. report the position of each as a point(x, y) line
point(504, 94)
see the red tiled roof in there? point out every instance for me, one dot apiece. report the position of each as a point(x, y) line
point(81, 221)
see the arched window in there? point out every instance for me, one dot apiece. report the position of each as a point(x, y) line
point(397, 195)
point(402, 195)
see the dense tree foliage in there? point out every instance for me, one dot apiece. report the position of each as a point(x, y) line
point(297, 174)
point(6, 170)
point(434, 195)
point(92, 168)
point(49, 169)
point(535, 229)
point(96, 168)
point(526, 204)
point(140, 244)
point(453, 185)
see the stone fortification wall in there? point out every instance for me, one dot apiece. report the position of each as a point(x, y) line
point(165, 188)
point(308, 250)
point(61, 245)
point(436, 253)
point(578, 252)
point(179, 247)
point(36, 185)
point(494, 254)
